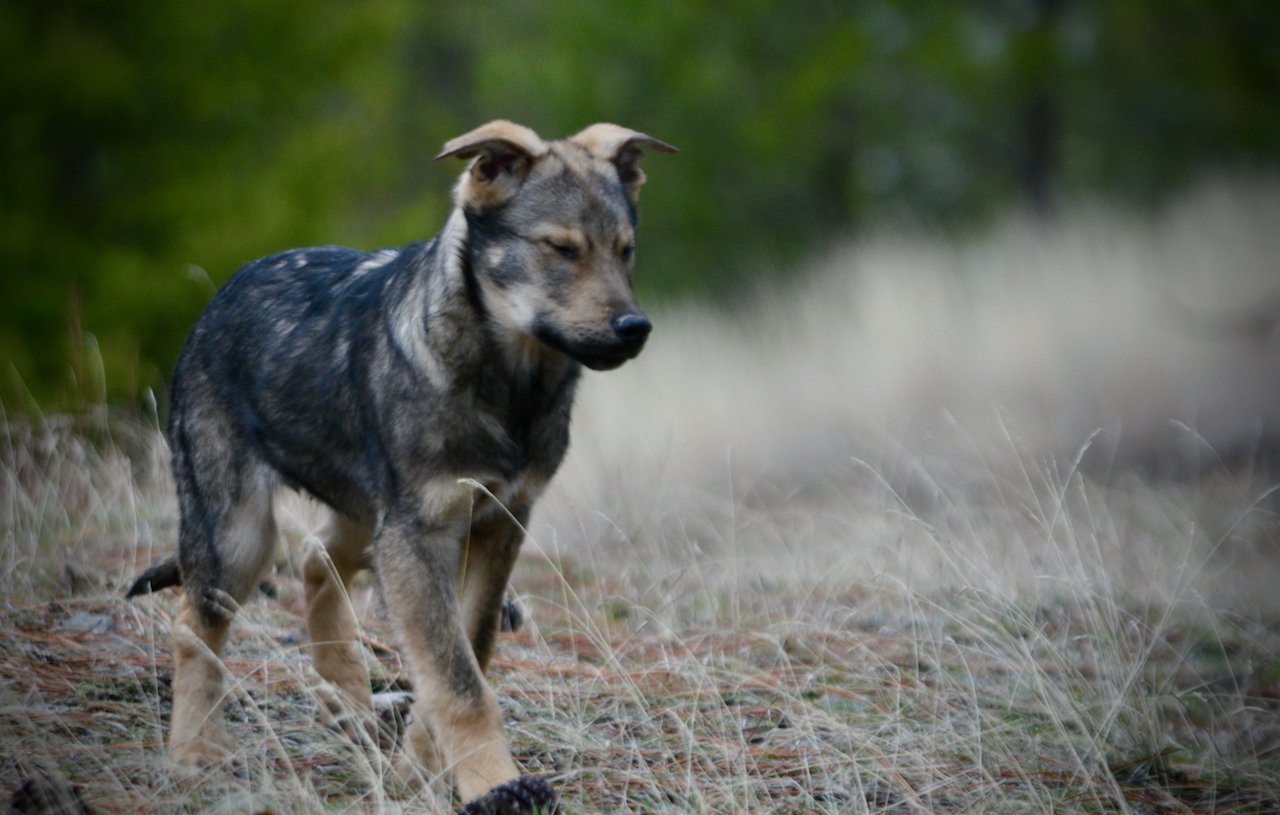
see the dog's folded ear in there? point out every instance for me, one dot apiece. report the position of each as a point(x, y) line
point(504, 152)
point(624, 148)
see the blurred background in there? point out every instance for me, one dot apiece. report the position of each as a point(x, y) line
point(963, 398)
point(151, 147)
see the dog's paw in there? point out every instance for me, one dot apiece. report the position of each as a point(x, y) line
point(392, 710)
point(47, 795)
point(216, 604)
point(512, 616)
point(198, 756)
point(526, 795)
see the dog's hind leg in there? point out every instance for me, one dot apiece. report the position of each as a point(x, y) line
point(196, 732)
point(226, 539)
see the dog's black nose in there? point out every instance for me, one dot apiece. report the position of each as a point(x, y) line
point(632, 326)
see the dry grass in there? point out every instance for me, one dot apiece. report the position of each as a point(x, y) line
point(857, 548)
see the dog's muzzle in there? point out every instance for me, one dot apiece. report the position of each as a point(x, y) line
point(623, 340)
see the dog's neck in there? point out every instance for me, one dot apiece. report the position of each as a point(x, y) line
point(444, 328)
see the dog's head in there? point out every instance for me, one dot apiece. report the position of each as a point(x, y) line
point(551, 234)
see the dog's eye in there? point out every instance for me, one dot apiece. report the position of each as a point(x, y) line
point(627, 251)
point(564, 250)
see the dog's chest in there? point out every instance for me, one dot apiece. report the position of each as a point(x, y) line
point(516, 442)
point(503, 432)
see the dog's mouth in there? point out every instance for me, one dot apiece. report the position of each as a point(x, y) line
point(595, 354)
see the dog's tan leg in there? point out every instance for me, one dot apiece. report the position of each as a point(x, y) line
point(486, 565)
point(218, 575)
point(488, 558)
point(196, 732)
point(417, 567)
point(420, 753)
point(331, 624)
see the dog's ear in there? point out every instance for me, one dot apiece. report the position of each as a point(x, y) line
point(624, 148)
point(504, 152)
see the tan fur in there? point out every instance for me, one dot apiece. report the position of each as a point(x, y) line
point(331, 625)
point(499, 130)
point(472, 735)
point(607, 141)
point(622, 147)
point(500, 140)
point(595, 296)
point(456, 715)
point(197, 734)
point(421, 754)
point(487, 560)
point(474, 192)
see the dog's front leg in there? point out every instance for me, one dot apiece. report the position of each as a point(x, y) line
point(417, 561)
point(488, 558)
point(331, 623)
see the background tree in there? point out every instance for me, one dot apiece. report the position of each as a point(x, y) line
point(150, 148)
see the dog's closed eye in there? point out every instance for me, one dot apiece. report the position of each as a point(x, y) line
point(568, 251)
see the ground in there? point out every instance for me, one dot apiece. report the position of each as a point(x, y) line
point(663, 689)
point(985, 527)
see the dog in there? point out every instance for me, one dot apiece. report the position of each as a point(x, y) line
point(422, 394)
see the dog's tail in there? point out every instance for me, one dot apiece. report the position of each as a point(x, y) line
point(160, 576)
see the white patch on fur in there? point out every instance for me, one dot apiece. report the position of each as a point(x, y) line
point(459, 193)
point(495, 495)
point(453, 237)
point(446, 501)
point(516, 308)
point(283, 327)
point(409, 323)
point(514, 311)
point(410, 330)
point(379, 259)
point(247, 539)
point(451, 245)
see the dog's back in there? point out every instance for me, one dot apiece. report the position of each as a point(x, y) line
point(280, 362)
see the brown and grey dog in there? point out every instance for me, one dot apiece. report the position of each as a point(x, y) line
point(388, 385)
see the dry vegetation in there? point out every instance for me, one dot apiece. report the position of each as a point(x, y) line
point(984, 528)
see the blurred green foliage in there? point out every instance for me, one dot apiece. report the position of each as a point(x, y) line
point(151, 147)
